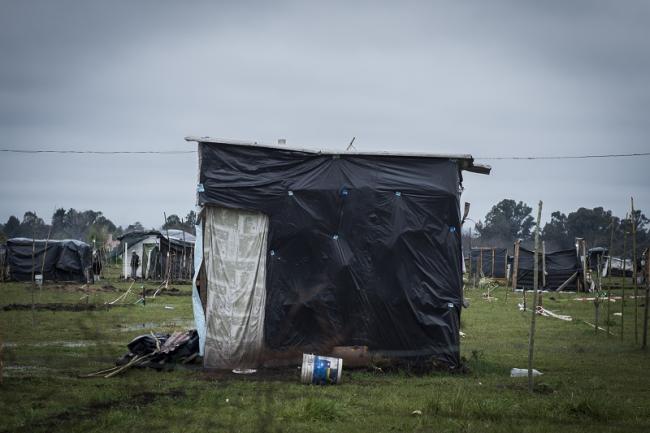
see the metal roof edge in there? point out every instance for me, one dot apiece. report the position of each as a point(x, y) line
point(467, 159)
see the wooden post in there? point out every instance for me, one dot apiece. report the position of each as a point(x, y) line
point(644, 344)
point(624, 271)
point(543, 264)
point(124, 259)
point(492, 263)
point(531, 340)
point(33, 266)
point(515, 265)
point(634, 272)
point(583, 243)
point(597, 299)
point(470, 256)
point(609, 261)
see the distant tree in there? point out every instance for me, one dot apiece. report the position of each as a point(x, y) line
point(12, 227)
point(176, 223)
point(79, 224)
point(135, 227)
point(190, 222)
point(173, 222)
point(33, 226)
point(506, 221)
point(555, 232)
point(590, 224)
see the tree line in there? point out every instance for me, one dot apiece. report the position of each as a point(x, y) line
point(87, 225)
point(509, 220)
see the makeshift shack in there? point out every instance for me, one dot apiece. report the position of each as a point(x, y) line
point(300, 251)
point(618, 267)
point(59, 260)
point(489, 262)
point(595, 256)
point(166, 254)
point(562, 270)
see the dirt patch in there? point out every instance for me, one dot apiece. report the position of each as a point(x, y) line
point(84, 288)
point(97, 408)
point(61, 306)
point(279, 374)
point(172, 291)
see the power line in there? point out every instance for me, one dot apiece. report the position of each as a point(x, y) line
point(179, 152)
point(103, 152)
point(609, 155)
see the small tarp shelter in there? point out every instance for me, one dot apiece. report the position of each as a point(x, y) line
point(618, 267)
point(60, 260)
point(492, 262)
point(153, 247)
point(559, 266)
point(3, 262)
point(596, 255)
point(305, 250)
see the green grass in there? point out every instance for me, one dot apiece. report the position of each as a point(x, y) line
point(591, 382)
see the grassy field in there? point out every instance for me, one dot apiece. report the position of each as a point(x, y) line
point(591, 382)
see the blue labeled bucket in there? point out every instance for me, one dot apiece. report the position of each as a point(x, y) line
point(321, 370)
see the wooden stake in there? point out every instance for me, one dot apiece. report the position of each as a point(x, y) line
point(583, 243)
point(597, 299)
point(624, 270)
point(543, 264)
point(33, 270)
point(609, 289)
point(644, 344)
point(515, 265)
point(634, 285)
point(531, 340)
point(492, 263)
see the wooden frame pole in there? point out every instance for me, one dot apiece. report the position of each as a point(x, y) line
point(624, 279)
point(543, 264)
point(634, 272)
point(531, 340)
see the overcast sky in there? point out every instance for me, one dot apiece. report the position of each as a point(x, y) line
point(488, 78)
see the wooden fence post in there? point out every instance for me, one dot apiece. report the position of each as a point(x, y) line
point(492, 263)
point(531, 340)
point(634, 272)
point(624, 281)
point(543, 264)
point(644, 345)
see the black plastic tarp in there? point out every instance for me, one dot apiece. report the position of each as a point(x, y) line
point(60, 260)
point(492, 261)
point(560, 265)
point(362, 249)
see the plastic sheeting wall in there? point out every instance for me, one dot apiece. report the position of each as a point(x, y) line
point(235, 264)
point(560, 265)
point(492, 260)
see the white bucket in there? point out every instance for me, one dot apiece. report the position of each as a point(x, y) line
point(38, 279)
point(321, 370)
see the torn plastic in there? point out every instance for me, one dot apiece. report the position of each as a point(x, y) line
point(197, 307)
point(523, 372)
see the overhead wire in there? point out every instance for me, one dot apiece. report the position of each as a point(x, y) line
point(178, 152)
